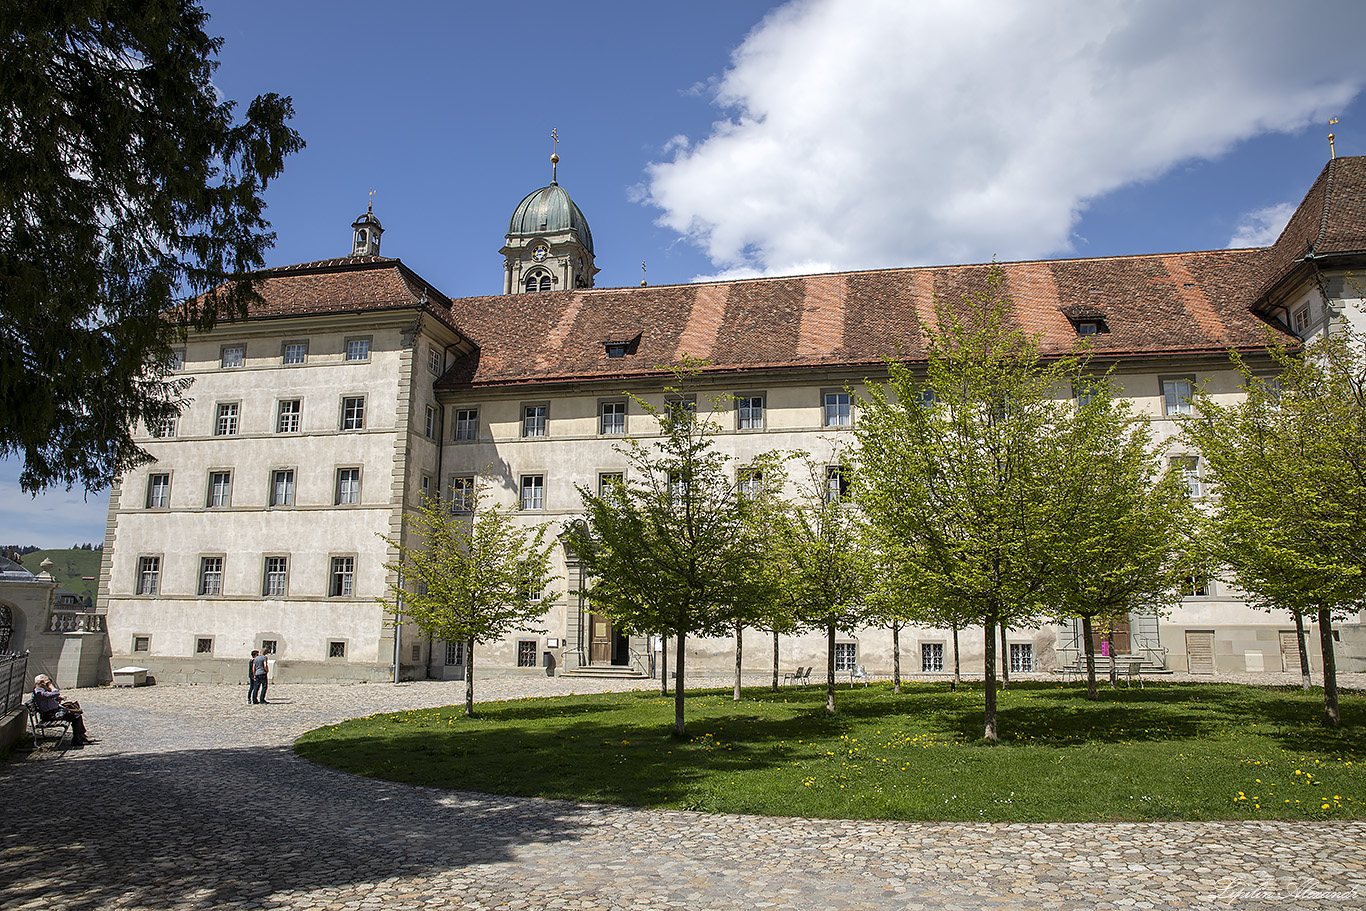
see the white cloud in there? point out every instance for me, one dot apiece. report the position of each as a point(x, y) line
point(55, 519)
point(867, 133)
point(1262, 227)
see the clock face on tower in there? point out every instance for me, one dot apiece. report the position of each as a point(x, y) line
point(540, 252)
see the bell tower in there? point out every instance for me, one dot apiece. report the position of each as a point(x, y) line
point(548, 245)
point(366, 231)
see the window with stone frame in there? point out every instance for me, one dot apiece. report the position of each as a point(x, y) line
point(233, 356)
point(462, 493)
point(210, 576)
point(282, 487)
point(466, 424)
point(358, 349)
point(846, 656)
point(613, 419)
point(839, 409)
point(158, 490)
point(289, 416)
point(353, 412)
point(1021, 657)
point(534, 420)
point(149, 575)
point(931, 657)
point(533, 491)
point(220, 489)
point(348, 486)
point(225, 425)
point(526, 652)
point(294, 353)
point(749, 412)
point(343, 581)
point(1176, 394)
point(275, 582)
point(429, 425)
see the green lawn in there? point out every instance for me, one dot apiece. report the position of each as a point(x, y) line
point(76, 570)
point(1170, 751)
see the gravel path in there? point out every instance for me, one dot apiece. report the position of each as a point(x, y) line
point(193, 799)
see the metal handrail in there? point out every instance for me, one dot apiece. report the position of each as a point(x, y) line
point(14, 681)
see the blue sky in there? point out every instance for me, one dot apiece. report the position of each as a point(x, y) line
point(740, 138)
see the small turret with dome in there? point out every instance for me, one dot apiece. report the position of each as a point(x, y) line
point(366, 231)
point(549, 246)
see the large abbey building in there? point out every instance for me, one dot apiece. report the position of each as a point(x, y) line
point(355, 388)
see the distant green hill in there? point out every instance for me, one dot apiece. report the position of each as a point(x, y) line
point(70, 568)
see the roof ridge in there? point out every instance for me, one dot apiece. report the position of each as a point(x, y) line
point(1327, 201)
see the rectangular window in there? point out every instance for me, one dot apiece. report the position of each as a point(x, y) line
point(1176, 395)
point(846, 655)
point(455, 653)
point(295, 352)
point(429, 426)
point(353, 413)
point(533, 491)
point(234, 356)
point(607, 480)
point(269, 646)
point(526, 652)
point(613, 419)
point(434, 360)
point(1089, 328)
point(290, 416)
point(838, 409)
point(1021, 657)
point(679, 409)
point(533, 420)
point(348, 486)
point(149, 575)
point(749, 484)
point(210, 575)
point(426, 488)
point(163, 429)
point(1189, 466)
point(836, 484)
point(226, 425)
point(358, 349)
point(462, 493)
point(467, 424)
point(1301, 319)
point(142, 643)
point(1086, 388)
point(176, 362)
point(678, 490)
point(220, 488)
point(276, 577)
point(343, 577)
point(931, 657)
point(282, 487)
point(1197, 587)
point(158, 491)
point(749, 412)
point(336, 649)
point(203, 646)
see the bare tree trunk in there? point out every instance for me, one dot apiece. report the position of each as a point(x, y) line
point(1332, 715)
point(678, 687)
point(739, 655)
point(663, 665)
point(469, 678)
point(896, 658)
point(989, 680)
point(830, 668)
point(1005, 659)
point(1302, 639)
point(957, 667)
point(775, 661)
point(1088, 646)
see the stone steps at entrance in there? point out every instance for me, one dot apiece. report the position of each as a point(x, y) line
point(612, 671)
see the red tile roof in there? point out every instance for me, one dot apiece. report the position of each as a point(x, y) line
point(1173, 303)
point(1331, 219)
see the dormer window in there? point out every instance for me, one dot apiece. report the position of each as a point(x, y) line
point(616, 349)
point(1088, 328)
point(620, 347)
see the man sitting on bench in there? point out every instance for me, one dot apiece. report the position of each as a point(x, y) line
point(48, 699)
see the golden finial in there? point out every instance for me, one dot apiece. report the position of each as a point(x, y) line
point(1332, 149)
point(370, 209)
point(642, 273)
point(554, 154)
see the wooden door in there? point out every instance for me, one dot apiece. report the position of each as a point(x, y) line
point(599, 640)
point(1200, 651)
point(1120, 637)
point(1290, 651)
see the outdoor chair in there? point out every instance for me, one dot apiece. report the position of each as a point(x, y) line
point(56, 729)
point(796, 676)
point(1133, 670)
point(858, 675)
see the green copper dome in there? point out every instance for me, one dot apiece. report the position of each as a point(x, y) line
point(547, 211)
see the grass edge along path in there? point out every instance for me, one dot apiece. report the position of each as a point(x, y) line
point(1170, 751)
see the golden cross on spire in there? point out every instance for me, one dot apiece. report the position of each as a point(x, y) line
point(642, 273)
point(554, 155)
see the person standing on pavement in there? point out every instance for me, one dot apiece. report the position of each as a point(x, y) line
point(253, 688)
point(260, 675)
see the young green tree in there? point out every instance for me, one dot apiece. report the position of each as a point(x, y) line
point(959, 466)
point(1124, 531)
point(671, 549)
point(470, 577)
point(128, 189)
point(1287, 466)
point(821, 561)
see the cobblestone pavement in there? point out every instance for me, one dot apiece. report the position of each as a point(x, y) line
point(193, 799)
